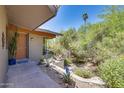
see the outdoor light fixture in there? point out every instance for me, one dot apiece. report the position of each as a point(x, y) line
point(31, 38)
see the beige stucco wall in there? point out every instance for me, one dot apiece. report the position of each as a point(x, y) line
point(35, 47)
point(3, 51)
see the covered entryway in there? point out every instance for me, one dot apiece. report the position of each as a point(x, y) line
point(22, 46)
point(30, 42)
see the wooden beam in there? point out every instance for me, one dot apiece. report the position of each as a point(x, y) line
point(14, 28)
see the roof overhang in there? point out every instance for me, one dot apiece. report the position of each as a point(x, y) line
point(42, 32)
point(48, 31)
point(30, 16)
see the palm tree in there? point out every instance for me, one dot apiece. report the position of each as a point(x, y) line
point(85, 17)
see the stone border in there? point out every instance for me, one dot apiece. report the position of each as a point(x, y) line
point(79, 80)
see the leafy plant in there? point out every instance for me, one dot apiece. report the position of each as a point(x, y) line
point(67, 79)
point(84, 73)
point(13, 45)
point(112, 72)
point(67, 62)
point(41, 61)
point(55, 46)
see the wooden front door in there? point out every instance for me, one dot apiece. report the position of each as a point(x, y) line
point(21, 46)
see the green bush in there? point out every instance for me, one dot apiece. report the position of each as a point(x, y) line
point(41, 61)
point(112, 72)
point(84, 73)
point(67, 62)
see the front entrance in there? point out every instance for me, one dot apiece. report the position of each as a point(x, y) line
point(22, 46)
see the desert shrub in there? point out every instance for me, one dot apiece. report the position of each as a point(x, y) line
point(67, 62)
point(83, 73)
point(57, 49)
point(68, 37)
point(41, 60)
point(55, 46)
point(79, 52)
point(112, 72)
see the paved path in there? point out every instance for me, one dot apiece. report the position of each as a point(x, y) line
point(29, 75)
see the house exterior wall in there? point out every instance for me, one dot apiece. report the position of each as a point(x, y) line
point(3, 50)
point(35, 47)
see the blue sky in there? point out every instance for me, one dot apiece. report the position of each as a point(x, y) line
point(70, 16)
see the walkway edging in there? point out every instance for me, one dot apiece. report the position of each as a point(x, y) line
point(76, 78)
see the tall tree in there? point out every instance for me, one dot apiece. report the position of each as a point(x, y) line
point(85, 17)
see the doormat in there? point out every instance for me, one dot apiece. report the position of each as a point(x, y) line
point(22, 61)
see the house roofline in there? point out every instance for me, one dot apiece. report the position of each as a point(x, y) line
point(14, 17)
point(44, 33)
point(44, 22)
point(54, 14)
point(48, 31)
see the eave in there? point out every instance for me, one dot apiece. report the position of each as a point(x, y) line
point(29, 16)
point(47, 35)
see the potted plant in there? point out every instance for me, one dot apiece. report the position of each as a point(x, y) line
point(67, 64)
point(12, 49)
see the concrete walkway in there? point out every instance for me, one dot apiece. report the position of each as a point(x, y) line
point(28, 75)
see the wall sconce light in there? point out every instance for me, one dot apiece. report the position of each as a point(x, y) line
point(31, 38)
